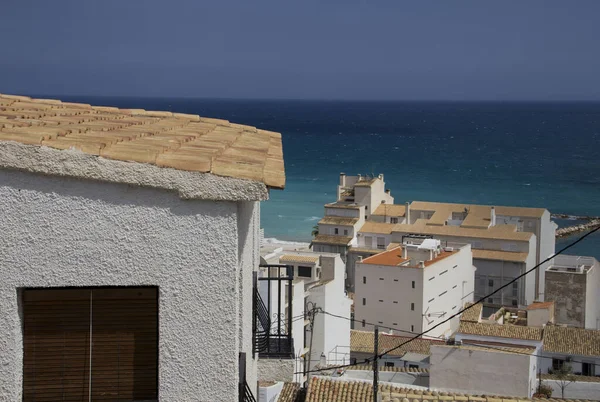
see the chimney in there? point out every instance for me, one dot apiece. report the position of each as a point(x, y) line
point(381, 176)
point(404, 253)
point(323, 360)
point(407, 213)
point(388, 191)
point(359, 177)
point(343, 179)
point(430, 255)
point(492, 216)
point(421, 264)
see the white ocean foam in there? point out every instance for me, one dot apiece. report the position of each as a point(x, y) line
point(272, 240)
point(312, 219)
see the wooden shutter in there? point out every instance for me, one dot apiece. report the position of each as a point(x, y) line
point(56, 329)
point(111, 333)
point(125, 344)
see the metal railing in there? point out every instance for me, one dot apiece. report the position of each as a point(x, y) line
point(244, 391)
point(272, 323)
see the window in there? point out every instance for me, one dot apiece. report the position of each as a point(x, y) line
point(453, 308)
point(412, 328)
point(366, 207)
point(380, 301)
point(394, 323)
point(368, 241)
point(514, 291)
point(454, 287)
point(364, 279)
point(443, 293)
point(432, 278)
point(364, 301)
point(305, 272)
point(381, 243)
point(336, 231)
point(380, 322)
point(412, 306)
point(477, 244)
point(389, 364)
point(345, 232)
point(393, 220)
point(491, 283)
point(443, 272)
point(557, 364)
point(395, 301)
point(515, 303)
point(381, 279)
point(125, 329)
point(454, 266)
point(363, 323)
point(395, 280)
point(413, 284)
point(430, 300)
point(490, 300)
point(588, 369)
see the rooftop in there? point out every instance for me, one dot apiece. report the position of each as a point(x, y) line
point(500, 232)
point(390, 210)
point(311, 259)
point(362, 342)
point(500, 331)
point(377, 227)
point(393, 258)
point(540, 305)
point(473, 314)
point(572, 341)
point(338, 220)
point(343, 205)
point(182, 142)
point(498, 255)
point(332, 239)
point(482, 211)
point(515, 350)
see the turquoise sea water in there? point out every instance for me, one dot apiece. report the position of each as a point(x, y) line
point(526, 154)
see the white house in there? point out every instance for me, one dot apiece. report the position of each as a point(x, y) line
point(497, 370)
point(318, 283)
point(129, 241)
point(577, 346)
point(414, 286)
point(573, 283)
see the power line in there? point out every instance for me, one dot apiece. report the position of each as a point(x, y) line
point(379, 356)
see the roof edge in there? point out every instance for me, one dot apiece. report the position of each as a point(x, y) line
point(79, 165)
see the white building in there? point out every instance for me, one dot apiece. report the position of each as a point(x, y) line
point(414, 286)
point(573, 283)
point(577, 346)
point(125, 244)
point(508, 370)
point(318, 283)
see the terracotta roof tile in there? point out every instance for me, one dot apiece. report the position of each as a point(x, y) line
point(174, 140)
point(390, 210)
point(473, 314)
point(362, 342)
point(299, 258)
point(289, 392)
point(501, 331)
point(572, 341)
point(338, 220)
point(332, 239)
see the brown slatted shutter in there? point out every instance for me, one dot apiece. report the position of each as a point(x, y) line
point(125, 344)
point(111, 333)
point(56, 345)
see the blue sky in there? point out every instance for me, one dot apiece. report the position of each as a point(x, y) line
point(324, 49)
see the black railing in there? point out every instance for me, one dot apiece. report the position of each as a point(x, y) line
point(272, 324)
point(244, 391)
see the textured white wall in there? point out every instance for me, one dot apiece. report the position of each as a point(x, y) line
point(67, 232)
point(276, 369)
point(478, 371)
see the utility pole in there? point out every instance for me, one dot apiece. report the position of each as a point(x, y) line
point(311, 316)
point(375, 366)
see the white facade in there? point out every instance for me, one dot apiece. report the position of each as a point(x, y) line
point(475, 370)
point(62, 232)
point(412, 288)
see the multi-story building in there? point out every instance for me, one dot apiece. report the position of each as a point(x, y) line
point(413, 287)
point(505, 241)
point(317, 289)
point(129, 242)
point(573, 284)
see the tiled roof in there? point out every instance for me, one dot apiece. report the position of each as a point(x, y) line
point(323, 389)
point(369, 367)
point(390, 210)
point(390, 258)
point(342, 205)
point(499, 255)
point(332, 239)
point(495, 349)
point(501, 331)
point(338, 220)
point(312, 259)
point(169, 140)
point(501, 232)
point(377, 227)
point(473, 314)
point(289, 392)
point(362, 342)
point(482, 210)
point(572, 341)
point(538, 305)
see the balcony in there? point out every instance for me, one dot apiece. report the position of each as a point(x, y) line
point(272, 325)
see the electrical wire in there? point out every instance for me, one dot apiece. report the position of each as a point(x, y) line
point(379, 356)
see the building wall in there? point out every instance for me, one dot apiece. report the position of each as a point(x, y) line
point(387, 238)
point(539, 317)
point(546, 362)
point(547, 247)
point(447, 285)
point(500, 273)
point(568, 292)
point(592, 294)
point(65, 232)
point(479, 371)
point(579, 390)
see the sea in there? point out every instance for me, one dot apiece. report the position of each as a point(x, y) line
point(532, 154)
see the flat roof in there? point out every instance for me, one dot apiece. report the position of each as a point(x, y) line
point(481, 210)
point(183, 142)
point(332, 239)
point(342, 205)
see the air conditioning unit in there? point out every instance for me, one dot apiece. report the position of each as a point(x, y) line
point(449, 249)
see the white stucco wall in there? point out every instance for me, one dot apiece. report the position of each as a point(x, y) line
point(480, 371)
point(67, 232)
point(592, 297)
point(277, 370)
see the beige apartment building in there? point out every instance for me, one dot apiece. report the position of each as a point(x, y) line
point(413, 287)
point(505, 241)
